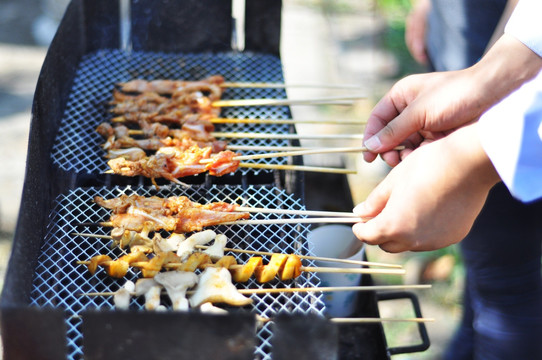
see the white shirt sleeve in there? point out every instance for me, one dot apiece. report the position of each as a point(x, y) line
point(524, 24)
point(511, 135)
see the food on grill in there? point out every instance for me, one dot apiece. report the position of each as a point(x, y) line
point(177, 213)
point(156, 137)
point(171, 243)
point(188, 104)
point(172, 163)
point(168, 86)
point(216, 251)
point(135, 241)
point(209, 308)
point(215, 286)
point(115, 268)
point(187, 101)
point(285, 266)
point(176, 283)
point(152, 291)
point(188, 246)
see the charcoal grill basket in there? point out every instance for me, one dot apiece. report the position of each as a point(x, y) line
point(77, 145)
point(59, 280)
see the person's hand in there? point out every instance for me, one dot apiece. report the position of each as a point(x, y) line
point(415, 30)
point(418, 109)
point(425, 107)
point(431, 199)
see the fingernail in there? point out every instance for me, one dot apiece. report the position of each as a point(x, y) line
point(359, 209)
point(373, 143)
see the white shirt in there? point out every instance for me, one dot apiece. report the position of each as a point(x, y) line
point(511, 131)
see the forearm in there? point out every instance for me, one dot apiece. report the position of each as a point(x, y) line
point(499, 30)
point(499, 72)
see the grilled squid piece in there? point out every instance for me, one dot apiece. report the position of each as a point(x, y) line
point(122, 296)
point(216, 251)
point(176, 283)
point(170, 244)
point(215, 286)
point(209, 308)
point(151, 290)
point(187, 247)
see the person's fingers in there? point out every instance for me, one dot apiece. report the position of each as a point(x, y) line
point(383, 112)
point(392, 158)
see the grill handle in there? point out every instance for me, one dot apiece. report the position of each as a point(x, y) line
point(421, 326)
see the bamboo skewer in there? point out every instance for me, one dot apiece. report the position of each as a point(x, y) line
point(272, 85)
point(312, 269)
point(266, 148)
point(331, 220)
point(340, 100)
point(248, 135)
point(296, 290)
point(286, 167)
point(256, 135)
point(299, 153)
point(255, 252)
point(282, 121)
point(121, 119)
point(294, 212)
point(293, 153)
point(297, 168)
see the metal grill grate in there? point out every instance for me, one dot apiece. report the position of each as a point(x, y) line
point(58, 279)
point(77, 145)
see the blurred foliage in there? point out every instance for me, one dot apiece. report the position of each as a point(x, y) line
point(393, 39)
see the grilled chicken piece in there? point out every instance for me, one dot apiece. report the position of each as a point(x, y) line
point(177, 214)
point(215, 286)
point(167, 87)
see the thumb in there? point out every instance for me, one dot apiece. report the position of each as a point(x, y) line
point(376, 201)
point(400, 127)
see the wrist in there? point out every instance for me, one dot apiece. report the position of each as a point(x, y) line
point(498, 73)
point(471, 163)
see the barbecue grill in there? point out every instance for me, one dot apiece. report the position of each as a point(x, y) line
point(98, 44)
